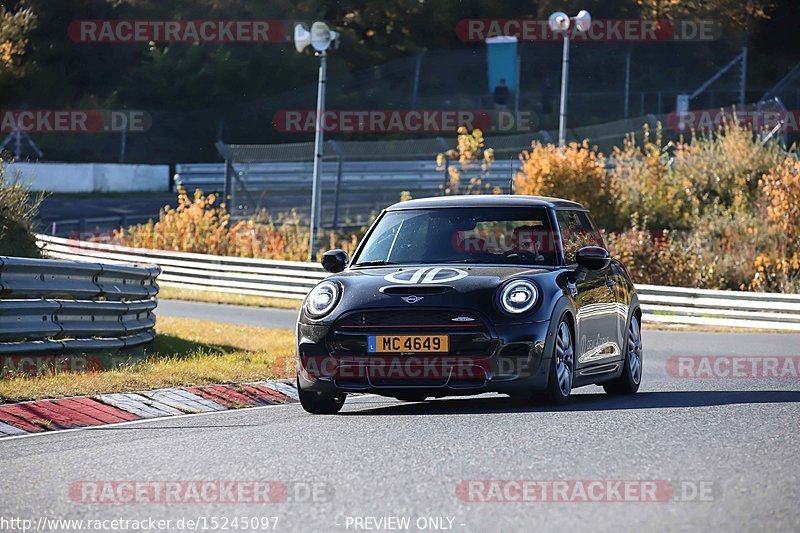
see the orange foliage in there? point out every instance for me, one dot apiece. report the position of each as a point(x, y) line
point(576, 172)
point(201, 225)
point(780, 189)
point(470, 156)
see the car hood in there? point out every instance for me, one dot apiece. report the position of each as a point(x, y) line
point(450, 286)
point(454, 275)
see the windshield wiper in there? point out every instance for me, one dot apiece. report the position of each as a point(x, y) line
point(465, 260)
point(376, 263)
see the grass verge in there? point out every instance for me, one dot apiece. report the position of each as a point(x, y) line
point(216, 297)
point(660, 326)
point(186, 352)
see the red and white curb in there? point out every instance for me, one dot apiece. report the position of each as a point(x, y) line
point(69, 413)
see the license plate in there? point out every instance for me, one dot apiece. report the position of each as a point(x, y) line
point(408, 344)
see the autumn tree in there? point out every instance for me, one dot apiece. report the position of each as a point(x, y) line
point(575, 171)
point(14, 29)
point(780, 188)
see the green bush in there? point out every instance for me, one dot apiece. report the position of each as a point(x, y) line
point(724, 164)
point(718, 210)
point(644, 186)
point(728, 195)
point(18, 207)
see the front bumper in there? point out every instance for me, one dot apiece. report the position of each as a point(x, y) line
point(502, 358)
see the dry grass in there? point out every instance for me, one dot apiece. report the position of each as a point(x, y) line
point(186, 352)
point(216, 297)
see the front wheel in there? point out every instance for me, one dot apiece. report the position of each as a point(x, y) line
point(319, 403)
point(562, 365)
point(631, 377)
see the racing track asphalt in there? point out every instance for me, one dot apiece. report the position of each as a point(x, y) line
point(381, 457)
point(230, 314)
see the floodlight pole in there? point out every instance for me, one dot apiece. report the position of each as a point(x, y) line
point(559, 21)
point(562, 114)
point(316, 188)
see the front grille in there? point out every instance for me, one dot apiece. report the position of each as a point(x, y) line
point(465, 364)
point(412, 319)
point(466, 338)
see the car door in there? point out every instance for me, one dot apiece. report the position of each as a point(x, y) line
point(597, 330)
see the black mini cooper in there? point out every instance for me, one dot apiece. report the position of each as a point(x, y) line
point(471, 294)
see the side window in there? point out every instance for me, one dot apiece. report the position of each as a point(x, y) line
point(577, 230)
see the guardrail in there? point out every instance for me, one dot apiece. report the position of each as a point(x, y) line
point(737, 309)
point(260, 277)
point(291, 279)
point(53, 307)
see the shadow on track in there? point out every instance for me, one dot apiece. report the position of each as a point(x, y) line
point(584, 402)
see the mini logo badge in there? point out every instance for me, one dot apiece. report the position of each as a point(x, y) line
point(462, 319)
point(412, 299)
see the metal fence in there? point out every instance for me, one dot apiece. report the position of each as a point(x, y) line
point(55, 307)
point(351, 190)
point(290, 279)
point(360, 178)
point(607, 81)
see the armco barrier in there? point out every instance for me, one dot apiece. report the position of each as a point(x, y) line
point(54, 307)
point(738, 309)
point(291, 279)
point(261, 277)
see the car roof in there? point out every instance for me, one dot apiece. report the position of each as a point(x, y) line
point(484, 200)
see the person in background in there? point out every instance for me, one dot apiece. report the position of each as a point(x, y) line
point(501, 95)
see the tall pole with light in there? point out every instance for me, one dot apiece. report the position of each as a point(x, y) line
point(560, 23)
point(320, 38)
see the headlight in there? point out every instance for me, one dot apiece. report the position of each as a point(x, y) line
point(518, 296)
point(322, 299)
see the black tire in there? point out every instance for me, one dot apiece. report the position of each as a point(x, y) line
point(630, 379)
point(320, 404)
point(562, 365)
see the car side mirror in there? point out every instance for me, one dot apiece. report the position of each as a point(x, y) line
point(593, 258)
point(335, 260)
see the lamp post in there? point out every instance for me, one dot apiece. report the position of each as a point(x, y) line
point(560, 22)
point(320, 38)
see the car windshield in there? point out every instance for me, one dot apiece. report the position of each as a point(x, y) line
point(505, 235)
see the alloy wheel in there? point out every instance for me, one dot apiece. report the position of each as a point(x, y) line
point(565, 359)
